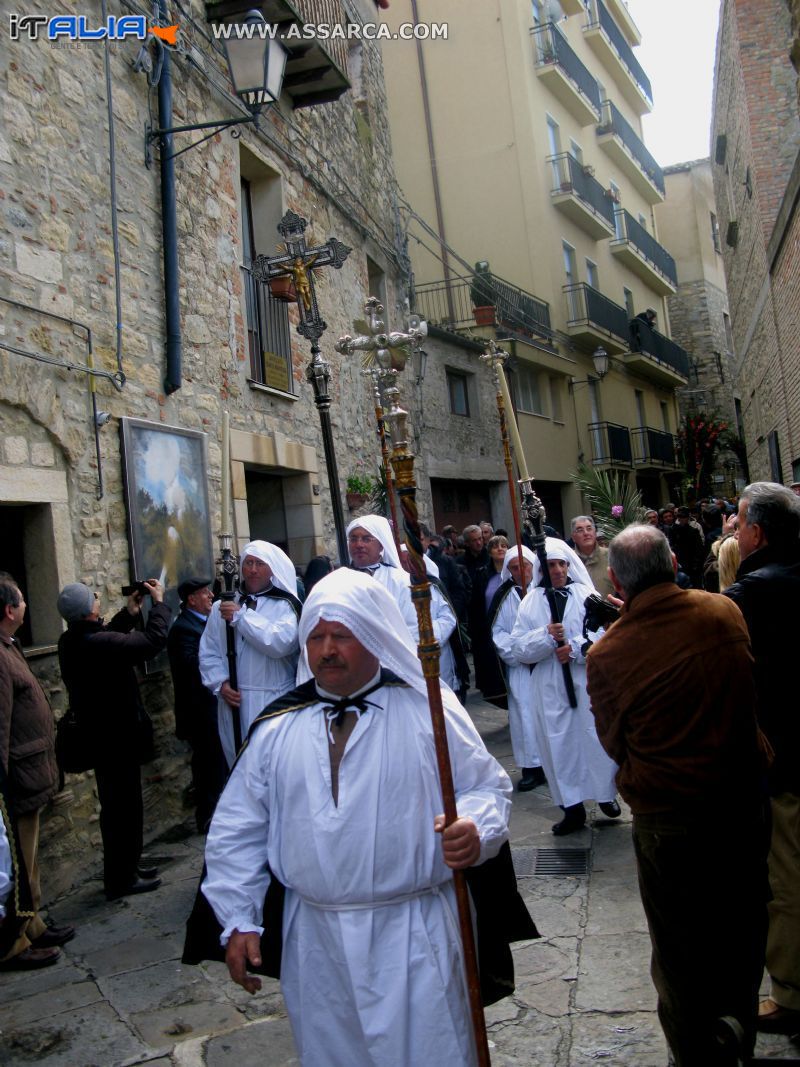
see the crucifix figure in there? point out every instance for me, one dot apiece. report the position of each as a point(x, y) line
point(299, 262)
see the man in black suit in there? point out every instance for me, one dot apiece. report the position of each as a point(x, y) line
point(196, 706)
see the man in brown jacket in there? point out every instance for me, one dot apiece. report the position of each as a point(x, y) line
point(27, 752)
point(672, 692)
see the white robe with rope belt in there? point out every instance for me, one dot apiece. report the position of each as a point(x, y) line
point(266, 661)
point(574, 761)
point(521, 716)
point(372, 971)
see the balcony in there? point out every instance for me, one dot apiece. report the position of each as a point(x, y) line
point(611, 445)
point(316, 70)
point(623, 18)
point(653, 449)
point(593, 319)
point(657, 357)
point(608, 42)
point(581, 197)
point(622, 144)
point(564, 74)
point(572, 7)
point(449, 306)
point(642, 254)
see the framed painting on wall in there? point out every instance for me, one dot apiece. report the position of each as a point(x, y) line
point(166, 497)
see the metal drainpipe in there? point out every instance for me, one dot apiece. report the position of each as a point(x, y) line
point(169, 224)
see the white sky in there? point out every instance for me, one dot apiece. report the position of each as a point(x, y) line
point(677, 53)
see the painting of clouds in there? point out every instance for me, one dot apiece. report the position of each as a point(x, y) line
point(166, 491)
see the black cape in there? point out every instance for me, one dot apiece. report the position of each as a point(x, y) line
point(501, 914)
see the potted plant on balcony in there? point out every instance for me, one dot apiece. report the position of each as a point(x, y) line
point(359, 489)
point(482, 294)
point(282, 288)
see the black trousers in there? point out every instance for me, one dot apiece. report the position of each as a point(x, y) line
point(119, 788)
point(703, 882)
point(209, 772)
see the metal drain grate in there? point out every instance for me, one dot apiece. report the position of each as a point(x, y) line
point(553, 861)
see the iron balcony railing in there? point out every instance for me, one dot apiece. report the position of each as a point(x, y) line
point(655, 344)
point(653, 448)
point(585, 304)
point(269, 340)
point(571, 176)
point(611, 444)
point(449, 305)
point(599, 15)
point(613, 121)
point(630, 229)
point(552, 47)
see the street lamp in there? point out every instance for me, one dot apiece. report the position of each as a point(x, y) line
point(256, 63)
point(601, 361)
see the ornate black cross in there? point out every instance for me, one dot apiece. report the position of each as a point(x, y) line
point(299, 262)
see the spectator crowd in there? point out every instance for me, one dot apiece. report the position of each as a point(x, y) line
point(655, 667)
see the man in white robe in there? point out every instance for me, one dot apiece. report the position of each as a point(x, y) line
point(264, 618)
point(503, 612)
point(576, 765)
point(338, 796)
point(372, 549)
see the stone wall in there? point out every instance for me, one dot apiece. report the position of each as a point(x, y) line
point(57, 255)
point(756, 114)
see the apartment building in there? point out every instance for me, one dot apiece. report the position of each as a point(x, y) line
point(517, 141)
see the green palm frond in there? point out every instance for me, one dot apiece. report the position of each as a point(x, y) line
point(604, 491)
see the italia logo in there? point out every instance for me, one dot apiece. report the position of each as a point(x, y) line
point(79, 28)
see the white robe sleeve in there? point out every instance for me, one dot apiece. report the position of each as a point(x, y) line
point(502, 630)
point(213, 659)
point(482, 787)
point(237, 875)
point(5, 869)
point(444, 621)
point(276, 637)
point(530, 641)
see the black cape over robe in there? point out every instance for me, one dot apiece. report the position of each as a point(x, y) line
point(501, 914)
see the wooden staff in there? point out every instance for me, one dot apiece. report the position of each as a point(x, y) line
point(495, 357)
point(387, 470)
point(428, 651)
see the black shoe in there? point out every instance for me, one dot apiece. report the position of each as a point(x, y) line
point(31, 959)
point(138, 885)
point(531, 777)
point(574, 819)
point(610, 808)
point(148, 873)
point(54, 936)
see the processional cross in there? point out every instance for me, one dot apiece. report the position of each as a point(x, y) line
point(300, 262)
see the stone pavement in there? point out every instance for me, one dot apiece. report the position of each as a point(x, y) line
point(121, 997)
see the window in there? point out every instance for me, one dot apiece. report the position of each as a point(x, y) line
point(726, 322)
point(555, 399)
point(458, 392)
point(641, 420)
point(537, 12)
point(570, 268)
point(376, 281)
point(553, 136)
point(715, 233)
point(642, 220)
point(527, 390)
point(591, 274)
point(574, 303)
point(266, 319)
point(775, 465)
point(720, 367)
point(665, 415)
point(576, 151)
point(628, 297)
point(616, 196)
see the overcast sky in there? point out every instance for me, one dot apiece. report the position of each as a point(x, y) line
point(677, 52)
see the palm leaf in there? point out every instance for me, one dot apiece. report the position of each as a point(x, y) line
point(604, 491)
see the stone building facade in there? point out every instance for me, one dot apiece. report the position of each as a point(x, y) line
point(83, 321)
point(755, 142)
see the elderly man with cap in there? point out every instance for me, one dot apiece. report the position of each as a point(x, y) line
point(98, 667)
point(264, 619)
point(195, 706)
point(336, 795)
point(502, 615)
point(574, 761)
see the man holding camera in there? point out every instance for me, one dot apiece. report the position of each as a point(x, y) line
point(98, 667)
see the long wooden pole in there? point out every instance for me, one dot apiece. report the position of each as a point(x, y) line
point(429, 651)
